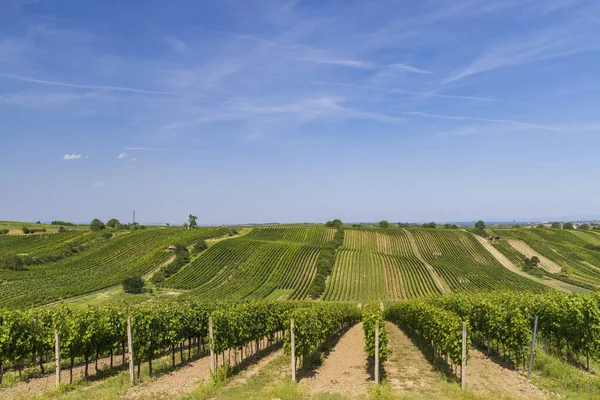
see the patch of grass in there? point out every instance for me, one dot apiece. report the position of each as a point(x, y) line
point(561, 377)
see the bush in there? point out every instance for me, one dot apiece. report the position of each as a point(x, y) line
point(3, 231)
point(200, 246)
point(25, 230)
point(112, 222)
point(568, 226)
point(134, 285)
point(106, 235)
point(480, 225)
point(61, 229)
point(62, 223)
point(384, 224)
point(96, 225)
point(12, 262)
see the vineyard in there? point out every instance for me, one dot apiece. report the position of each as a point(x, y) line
point(563, 253)
point(35, 245)
point(105, 265)
point(402, 264)
point(266, 263)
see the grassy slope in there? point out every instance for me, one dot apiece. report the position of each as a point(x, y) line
point(102, 266)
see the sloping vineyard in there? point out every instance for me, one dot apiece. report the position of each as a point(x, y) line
point(465, 265)
point(574, 263)
point(248, 268)
point(105, 265)
point(378, 264)
point(52, 243)
point(304, 234)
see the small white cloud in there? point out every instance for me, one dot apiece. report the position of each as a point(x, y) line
point(122, 155)
point(97, 185)
point(175, 44)
point(72, 157)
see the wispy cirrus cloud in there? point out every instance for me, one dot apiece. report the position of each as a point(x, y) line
point(68, 157)
point(468, 118)
point(122, 155)
point(98, 185)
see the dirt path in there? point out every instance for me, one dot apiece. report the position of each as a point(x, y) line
point(439, 282)
point(39, 386)
point(506, 263)
point(175, 383)
point(485, 377)
point(407, 370)
point(344, 371)
point(527, 251)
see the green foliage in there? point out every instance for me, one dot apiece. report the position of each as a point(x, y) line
point(96, 225)
point(584, 227)
point(200, 246)
point(134, 285)
point(192, 219)
point(25, 230)
point(384, 224)
point(325, 264)
point(479, 225)
point(541, 226)
point(106, 235)
point(11, 261)
point(316, 323)
point(441, 327)
point(568, 226)
point(451, 226)
point(556, 225)
point(4, 231)
point(430, 225)
point(336, 223)
point(63, 223)
point(113, 222)
point(371, 315)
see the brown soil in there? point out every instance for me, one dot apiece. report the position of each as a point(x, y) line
point(39, 386)
point(485, 376)
point(344, 371)
point(176, 383)
point(407, 370)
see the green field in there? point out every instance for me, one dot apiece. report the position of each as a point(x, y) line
point(128, 254)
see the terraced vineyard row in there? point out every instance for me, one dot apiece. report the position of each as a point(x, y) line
point(305, 234)
point(465, 265)
point(52, 243)
point(564, 249)
point(130, 254)
point(245, 268)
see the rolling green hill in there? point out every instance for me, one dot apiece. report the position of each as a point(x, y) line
point(129, 254)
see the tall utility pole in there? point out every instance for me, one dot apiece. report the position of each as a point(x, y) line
point(134, 216)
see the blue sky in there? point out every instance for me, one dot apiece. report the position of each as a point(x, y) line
point(260, 111)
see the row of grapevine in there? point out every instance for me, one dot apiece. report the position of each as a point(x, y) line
point(434, 324)
point(33, 245)
point(245, 268)
point(305, 234)
point(128, 254)
point(371, 315)
point(157, 327)
point(318, 323)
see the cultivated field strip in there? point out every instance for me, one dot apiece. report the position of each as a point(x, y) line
point(250, 268)
point(312, 234)
point(44, 244)
point(564, 249)
point(129, 254)
point(465, 265)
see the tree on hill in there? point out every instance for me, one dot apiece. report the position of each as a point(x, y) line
point(336, 223)
point(185, 225)
point(96, 225)
point(584, 227)
point(38, 223)
point(192, 220)
point(532, 262)
point(480, 225)
point(200, 246)
point(431, 225)
point(384, 224)
point(568, 226)
point(556, 225)
point(113, 222)
point(133, 285)
point(541, 226)
point(25, 230)
point(516, 226)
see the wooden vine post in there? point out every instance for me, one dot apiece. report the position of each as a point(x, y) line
point(211, 345)
point(535, 326)
point(57, 355)
point(130, 350)
point(293, 349)
point(463, 366)
point(377, 352)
